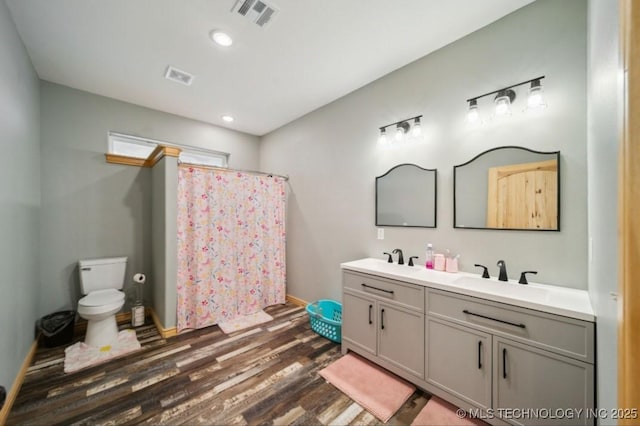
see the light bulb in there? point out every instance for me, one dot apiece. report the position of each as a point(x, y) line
point(472, 113)
point(503, 101)
point(416, 130)
point(382, 139)
point(399, 134)
point(503, 105)
point(536, 96)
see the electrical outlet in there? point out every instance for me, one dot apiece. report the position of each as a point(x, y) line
point(381, 233)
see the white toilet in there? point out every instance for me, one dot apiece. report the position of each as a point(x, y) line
point(101, 281)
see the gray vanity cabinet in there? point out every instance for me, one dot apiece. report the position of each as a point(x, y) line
point(505, 360)
point(508, 359)
point(508, 363)
point(383, 320)
point(359, 321)
point(529, 377)
point(458, 360)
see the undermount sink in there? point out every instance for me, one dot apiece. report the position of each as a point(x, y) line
point(535, 293)
point(570, 302)
point(503, 288)
point(393, 267)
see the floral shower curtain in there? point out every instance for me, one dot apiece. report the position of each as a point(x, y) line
point(231, 244)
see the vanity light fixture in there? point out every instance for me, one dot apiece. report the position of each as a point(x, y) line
point(402, 128)
point(504, 99)
point(227, 118)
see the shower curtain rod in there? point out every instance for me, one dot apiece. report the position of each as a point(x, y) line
point(255, 172)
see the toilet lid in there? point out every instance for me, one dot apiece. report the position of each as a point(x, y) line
point(102, 297)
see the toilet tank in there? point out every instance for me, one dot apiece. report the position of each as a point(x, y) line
point(102, 274)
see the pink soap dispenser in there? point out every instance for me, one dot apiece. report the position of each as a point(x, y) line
point(429, 256)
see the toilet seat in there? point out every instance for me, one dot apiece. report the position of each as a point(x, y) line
point(101, 301)
point(102, 297)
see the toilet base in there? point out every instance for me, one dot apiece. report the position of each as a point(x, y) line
point(101, 332)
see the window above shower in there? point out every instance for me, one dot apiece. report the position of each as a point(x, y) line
point(130, 146)
point(204, 158)
point(138, 151)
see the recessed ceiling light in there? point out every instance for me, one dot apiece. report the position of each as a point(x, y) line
point(228, 118)
point(221, 38)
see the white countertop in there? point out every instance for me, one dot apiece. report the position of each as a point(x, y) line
point(564, 301)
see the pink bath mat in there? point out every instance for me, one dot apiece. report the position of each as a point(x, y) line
point(439, 412)
point(245, 321)
point(374, 388)
point(79, 355)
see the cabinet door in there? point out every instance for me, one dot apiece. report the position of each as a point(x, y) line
point(401, 338)
point(529, 378)
point(458, 360)
point(359, 321)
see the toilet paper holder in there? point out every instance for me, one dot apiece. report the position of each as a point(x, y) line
point(137, 311)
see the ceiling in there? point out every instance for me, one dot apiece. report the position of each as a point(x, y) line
point(311, 53)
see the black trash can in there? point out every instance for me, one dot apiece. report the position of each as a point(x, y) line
point(57, 328)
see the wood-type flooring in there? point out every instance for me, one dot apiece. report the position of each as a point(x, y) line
point(262, 375)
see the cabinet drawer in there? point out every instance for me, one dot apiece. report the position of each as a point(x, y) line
point(567, 336)
point(408, 295)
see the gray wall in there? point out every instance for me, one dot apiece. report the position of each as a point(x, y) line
point(159, 244)
point(164, 202)
point(19, 199)
point(94, 209)
point(332, 157)
point(605, 95)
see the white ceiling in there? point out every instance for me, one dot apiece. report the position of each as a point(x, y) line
point(312, 53)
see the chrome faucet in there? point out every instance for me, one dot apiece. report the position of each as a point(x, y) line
point(503, 271)
point(400, 257)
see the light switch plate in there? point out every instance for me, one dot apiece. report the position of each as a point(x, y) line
point(381, 233)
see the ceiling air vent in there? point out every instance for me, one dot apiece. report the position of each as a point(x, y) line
point(257, 11)
point(178, 76)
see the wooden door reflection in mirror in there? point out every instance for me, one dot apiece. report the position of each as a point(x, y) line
point(523, 196)
point(508, 188)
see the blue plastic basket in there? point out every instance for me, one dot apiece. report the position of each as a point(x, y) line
point(326, 319)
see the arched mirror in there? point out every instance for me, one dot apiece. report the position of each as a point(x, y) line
point(508, 187)
point(406, 196)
